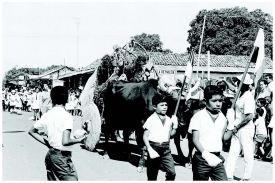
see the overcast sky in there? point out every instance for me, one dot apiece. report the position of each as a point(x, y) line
point(43, 34)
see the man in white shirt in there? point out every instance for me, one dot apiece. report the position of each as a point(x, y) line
point(196, 92)
point(209, 129)
point(243, 130)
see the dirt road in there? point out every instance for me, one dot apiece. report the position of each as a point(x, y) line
point(23, 158)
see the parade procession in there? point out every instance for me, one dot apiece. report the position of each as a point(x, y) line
point(140, 112)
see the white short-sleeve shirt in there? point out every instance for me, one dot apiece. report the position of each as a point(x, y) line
point(245, 105)
point(53, 123)
point(264, 94)
point(260, 126)
point(158, 132)
point(211, 133)
point(270, 87)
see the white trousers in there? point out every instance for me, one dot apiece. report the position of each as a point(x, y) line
point(242, 140)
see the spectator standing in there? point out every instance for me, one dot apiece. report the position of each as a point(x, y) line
point(6, 96)
point(24, 101)
point(36, 103)
point(3, 100)
point(261, 102)
point(243, 131)
point(45, 99)
point(18, 103)
point(268, 154)
point(263, 90)
point(70, 105)
point(12, 101)
point(29, 100)
point(269, 80)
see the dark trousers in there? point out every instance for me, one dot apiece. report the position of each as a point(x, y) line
point(24, 104)
point(3, 105)
point(165, 159)
point(203, 171)
point(59, 165)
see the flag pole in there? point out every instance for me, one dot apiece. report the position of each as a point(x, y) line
point(208, 66)
point(181, 89)
point(200, 47)
point(241, 83)
point(183, 82)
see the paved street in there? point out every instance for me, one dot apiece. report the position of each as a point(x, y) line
point(23, 158)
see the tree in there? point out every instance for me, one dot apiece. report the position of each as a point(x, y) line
point(151, 42)
point(12, 75)
point(230, 31)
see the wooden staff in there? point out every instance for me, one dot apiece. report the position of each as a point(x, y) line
point(200, 46)
point(178, 102)
point(183, 82)
point(241, 83)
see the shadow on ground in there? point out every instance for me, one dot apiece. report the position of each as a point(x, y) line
point(13, 131)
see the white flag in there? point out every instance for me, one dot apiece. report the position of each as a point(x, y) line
point(258, 56)
point(189, 67)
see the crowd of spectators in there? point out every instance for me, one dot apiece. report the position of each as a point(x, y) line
point(37, 100)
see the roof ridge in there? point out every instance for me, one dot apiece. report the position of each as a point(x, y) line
point(181, 59)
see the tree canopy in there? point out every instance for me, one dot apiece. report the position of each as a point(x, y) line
point(230, 31)
point(12, 75)
point(151, 42)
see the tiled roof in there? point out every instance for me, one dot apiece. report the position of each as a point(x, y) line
point(93, 65)
point(75, 73)
point(175, 59)
point(55, 69)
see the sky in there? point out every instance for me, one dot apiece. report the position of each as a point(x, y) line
point(44, 34)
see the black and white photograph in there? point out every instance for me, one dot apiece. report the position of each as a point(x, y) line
point(137, 90)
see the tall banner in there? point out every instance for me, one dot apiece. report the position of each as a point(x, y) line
point(189, 67)
point(258, 56)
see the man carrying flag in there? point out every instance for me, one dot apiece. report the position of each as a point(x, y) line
point(242, 115)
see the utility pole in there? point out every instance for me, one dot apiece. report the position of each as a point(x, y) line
point(77, 23)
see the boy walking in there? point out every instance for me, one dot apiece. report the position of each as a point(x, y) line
point(158, 130)
point(57, 125)
point(209, 128)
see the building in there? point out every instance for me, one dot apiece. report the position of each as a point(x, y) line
point(175, 64)
point(79, 78)
point(50, 76)
point(220, 65)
